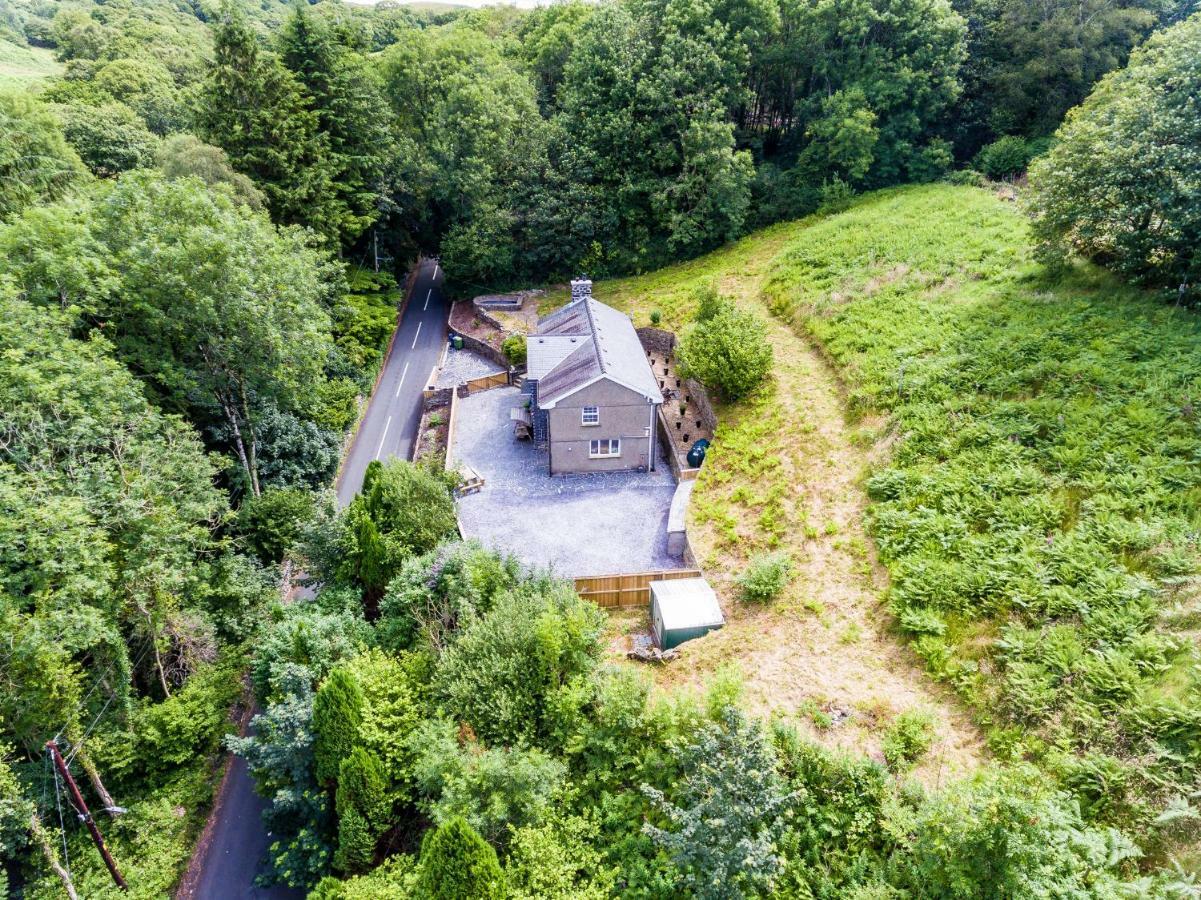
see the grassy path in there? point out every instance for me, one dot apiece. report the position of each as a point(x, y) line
point(786, 472)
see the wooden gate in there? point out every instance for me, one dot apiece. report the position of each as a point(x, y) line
point(483, 383)
point(630, 589)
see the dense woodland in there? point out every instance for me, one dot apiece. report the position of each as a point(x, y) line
point(203, 217)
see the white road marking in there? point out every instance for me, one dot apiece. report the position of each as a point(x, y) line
point(383, 437)
point(414, 347)
point(435, 271)
point(400, 383)
point(427, 298)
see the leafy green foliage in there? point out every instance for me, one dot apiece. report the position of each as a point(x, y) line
point(185, 155)
point(765, 577)
point(1006, 157)
point(1117, 186)
point(494, 789)
point(271, 523)
point(724, 822)
point(337, 715)
point(505, 669)
point(36, 162)
point(908, 738)
point(362, 805)
point(437, 594)
point(456, 863)
point(404, 510)
point(1037, 515)
point(109, 138)
point(514, 349)
point(728, 352)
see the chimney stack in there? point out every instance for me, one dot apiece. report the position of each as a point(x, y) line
point(581, 288)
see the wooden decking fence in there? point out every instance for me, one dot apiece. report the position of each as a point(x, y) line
point(631, 589)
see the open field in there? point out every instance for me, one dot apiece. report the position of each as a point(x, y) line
point(23, 66)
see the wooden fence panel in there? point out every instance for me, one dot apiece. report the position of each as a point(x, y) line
point(630, 589)
point(483, 383)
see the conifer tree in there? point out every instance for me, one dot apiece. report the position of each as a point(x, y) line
point(362, 806)
point(456, 862)
point(337, 715)
point(346, 98)
point(254, 109)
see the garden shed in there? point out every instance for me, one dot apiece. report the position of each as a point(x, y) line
point(683, 609)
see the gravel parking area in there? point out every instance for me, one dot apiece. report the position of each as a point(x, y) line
point(462, 365)
point(576, 524)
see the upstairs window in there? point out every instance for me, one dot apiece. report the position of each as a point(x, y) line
point(590, 415)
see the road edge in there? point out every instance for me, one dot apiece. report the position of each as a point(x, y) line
point(241, 713)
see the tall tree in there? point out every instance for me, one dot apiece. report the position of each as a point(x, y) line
point(36, 162)
point(1121, 184)
point(347, 97)
point(255, 109)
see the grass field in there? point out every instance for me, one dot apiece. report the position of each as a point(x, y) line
point(23, 66)
point(1025, 454)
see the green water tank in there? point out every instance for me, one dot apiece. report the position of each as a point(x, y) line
point(457, 342)
point(696, 453)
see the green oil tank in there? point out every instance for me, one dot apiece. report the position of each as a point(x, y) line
point(696, 453)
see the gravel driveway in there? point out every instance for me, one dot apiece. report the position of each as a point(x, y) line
point(575, 524)
point(463, 365)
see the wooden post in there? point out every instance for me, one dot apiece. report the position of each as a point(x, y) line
point(85, 816)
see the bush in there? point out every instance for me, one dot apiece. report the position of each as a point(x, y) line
point(494, 789)
point(908, 738)
point(270, 524)
point(729, 351)
point(656, 317)
point(404, 510)
point(457, 863)
point(503, 670)
point(363, 807)
point(1005, 157)
point(765, 577)
point(514, 349)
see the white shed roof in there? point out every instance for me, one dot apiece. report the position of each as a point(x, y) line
point(686, 603)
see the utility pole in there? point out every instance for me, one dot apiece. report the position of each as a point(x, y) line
point(85, 816)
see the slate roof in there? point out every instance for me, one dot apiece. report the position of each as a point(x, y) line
point(583, 342)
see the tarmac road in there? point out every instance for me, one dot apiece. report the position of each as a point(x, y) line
point(235, 843)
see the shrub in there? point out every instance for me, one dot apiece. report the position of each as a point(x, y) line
point(270, 524)
point(1005, 157)
point(728, 352)
point(765, 577)
point(656, 317)
point(514, 349)
point(504, 668)
point(908, 738)
point(404, 510)
point(494, 789)
point(457, 863)
point(726, 815)
point(337, 715)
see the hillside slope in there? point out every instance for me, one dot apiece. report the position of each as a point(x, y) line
point(1025, 454)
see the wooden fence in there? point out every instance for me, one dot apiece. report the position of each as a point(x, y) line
point(633, 589)
point(483, 383)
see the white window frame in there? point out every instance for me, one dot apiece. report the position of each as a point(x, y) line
point(604, 448)
point(589, 416)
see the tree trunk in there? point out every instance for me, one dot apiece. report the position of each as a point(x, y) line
point(93, 773)
point(43, 840)
point(254, 441)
